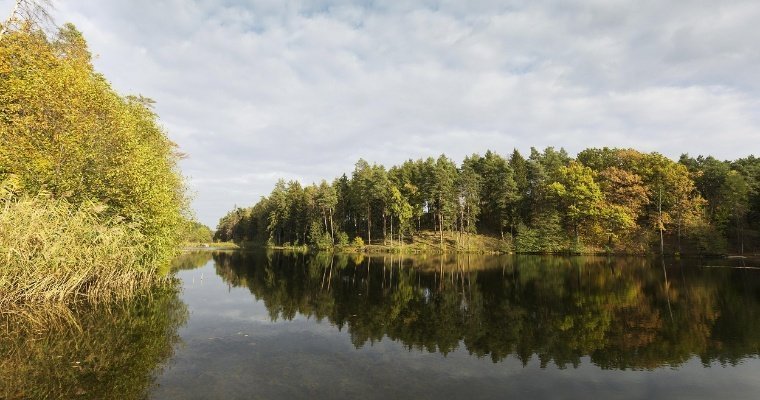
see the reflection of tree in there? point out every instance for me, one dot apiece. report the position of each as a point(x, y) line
point(190, 260)
point(622, 313)
point(110, 352)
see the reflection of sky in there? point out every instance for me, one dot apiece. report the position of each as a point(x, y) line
point(232, 350)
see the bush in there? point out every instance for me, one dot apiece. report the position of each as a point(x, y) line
point(358, 242)
point(341, 239)
point(318, 237)
point(548, 237)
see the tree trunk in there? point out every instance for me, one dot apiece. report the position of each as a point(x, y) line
point(385, 224)
point(577, 237)
point(739, 234)
point(369, 224)
point(678, 234)
point(440, 224)
point(332, 227)
point(461, 225)
point(660, 223)
point(391, 229)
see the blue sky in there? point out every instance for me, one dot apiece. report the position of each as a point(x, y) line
point(258, 90)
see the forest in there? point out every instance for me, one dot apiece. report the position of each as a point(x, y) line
point(604, 200)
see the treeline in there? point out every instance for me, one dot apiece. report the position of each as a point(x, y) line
point(79, 164)
point(617, 200)
point(196, 232)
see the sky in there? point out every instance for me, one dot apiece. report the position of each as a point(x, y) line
point(254, 91)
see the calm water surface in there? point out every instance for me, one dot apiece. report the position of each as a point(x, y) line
point(283, 326)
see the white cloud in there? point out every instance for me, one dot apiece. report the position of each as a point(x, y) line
point(255, 90)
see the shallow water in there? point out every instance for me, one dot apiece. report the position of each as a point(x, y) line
point(284, 326)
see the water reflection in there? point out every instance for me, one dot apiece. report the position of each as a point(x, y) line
point(106, 352)
point(620, 313)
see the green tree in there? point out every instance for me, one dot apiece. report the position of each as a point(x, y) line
point(279, 211)
point(402, 210)
point(444, 194)
point(327, 200)
point(734, 205)
point(579, 196)
point(468, 184)
point(498, 195)
point(519, 166)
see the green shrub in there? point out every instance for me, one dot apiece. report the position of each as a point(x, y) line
point(318, 237)
point(341, 239)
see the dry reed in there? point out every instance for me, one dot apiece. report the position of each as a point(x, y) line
point(52, 252)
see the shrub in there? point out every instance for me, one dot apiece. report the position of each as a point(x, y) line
point(341, 239)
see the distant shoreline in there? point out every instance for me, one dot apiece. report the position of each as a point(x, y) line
point(377, 249)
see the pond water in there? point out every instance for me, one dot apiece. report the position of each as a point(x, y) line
point(286, 326)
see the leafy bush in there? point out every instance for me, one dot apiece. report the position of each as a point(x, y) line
point(341, 239)
point(319, 238)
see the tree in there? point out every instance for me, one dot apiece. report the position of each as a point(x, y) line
point(498, 192)
point(345, 209)
point(362, 188)
point(519, 166)
point(327, 200)
point(468, 184)
point(579, 196)
point(279, 211)
point(735, 204)
point(66, 132)
point(537, 192)
point(444, 194)
point(28, 14)
point(402, 210)
point(371, 187)
point(709, 175)
point(675, 199)
point(625, 197)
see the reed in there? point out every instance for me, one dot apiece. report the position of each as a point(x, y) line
point(52, 252)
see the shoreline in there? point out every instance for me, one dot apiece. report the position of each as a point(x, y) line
point(408, 250)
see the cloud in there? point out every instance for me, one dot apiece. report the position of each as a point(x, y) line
point(255, 90)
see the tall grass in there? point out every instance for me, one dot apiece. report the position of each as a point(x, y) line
point(52, 252)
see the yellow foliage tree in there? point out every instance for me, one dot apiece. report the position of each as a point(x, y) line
point(66, 132)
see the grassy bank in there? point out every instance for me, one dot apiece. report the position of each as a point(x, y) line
point(193, 246)
point(429, 242)
point(421, 242)
point(54, 252)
